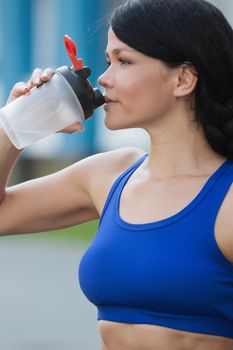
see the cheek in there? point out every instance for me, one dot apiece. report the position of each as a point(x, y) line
point(146, 96)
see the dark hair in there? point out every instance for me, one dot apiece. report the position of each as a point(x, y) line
point(176, 31)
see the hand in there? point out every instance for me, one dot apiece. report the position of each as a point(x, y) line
point(38, 77)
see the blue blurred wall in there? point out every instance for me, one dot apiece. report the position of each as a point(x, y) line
point(31, 35)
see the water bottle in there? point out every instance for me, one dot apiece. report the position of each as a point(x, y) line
point(67, 98)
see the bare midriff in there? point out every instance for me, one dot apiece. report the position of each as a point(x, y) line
point(124, 336)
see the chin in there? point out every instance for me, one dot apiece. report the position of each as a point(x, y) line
point(115, 125)
point(111, 126)
point(111, 123)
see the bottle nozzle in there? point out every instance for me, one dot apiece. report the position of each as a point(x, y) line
point(98, 98)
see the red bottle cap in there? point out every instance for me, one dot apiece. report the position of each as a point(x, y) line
point(72, 52)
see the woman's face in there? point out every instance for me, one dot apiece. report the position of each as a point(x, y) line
point(138, 89)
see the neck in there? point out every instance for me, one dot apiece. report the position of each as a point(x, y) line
point(181, 149)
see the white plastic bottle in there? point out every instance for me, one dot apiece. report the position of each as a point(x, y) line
point(67, 98)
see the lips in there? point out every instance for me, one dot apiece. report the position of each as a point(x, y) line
point(109, 100)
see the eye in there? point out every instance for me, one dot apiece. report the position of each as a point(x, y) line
point(123, 61)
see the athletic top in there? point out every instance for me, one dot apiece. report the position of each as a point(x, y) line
point(170, 272)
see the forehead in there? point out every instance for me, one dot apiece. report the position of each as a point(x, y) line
point(115, 44)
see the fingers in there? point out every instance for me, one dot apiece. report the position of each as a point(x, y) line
point(18, 89)
point(38, 77)
point(77, 127)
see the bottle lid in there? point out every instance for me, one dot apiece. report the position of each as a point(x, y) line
point(88, 97)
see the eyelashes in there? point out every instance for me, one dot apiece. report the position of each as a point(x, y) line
point(122, 61)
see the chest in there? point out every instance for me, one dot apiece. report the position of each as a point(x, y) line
point(153, 201)
point(167, 269)
point(149, 201)
point(152, 269)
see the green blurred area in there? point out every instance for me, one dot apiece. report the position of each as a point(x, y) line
point(83, 232)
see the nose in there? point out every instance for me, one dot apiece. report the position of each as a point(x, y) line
point(106, 79)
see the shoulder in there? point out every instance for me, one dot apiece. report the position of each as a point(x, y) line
point(101, 171)
point(117, 160)
point(109, 165)
point(102, 167)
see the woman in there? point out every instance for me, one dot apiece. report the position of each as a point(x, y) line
point(160, 268)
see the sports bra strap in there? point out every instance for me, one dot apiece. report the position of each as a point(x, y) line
point(118, 180)
point(218, 192)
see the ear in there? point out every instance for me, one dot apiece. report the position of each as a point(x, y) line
point(186, 82)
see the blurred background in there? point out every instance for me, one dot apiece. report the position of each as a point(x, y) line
point(41, 305)
point(31, 35)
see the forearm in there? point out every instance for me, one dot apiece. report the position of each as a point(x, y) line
point(8, 157)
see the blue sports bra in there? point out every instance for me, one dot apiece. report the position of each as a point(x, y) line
point(170, 272)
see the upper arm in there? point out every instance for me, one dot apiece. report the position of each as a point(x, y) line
point(54, 201)
point(65, 198)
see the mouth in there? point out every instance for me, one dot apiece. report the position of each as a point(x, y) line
point(109, 100)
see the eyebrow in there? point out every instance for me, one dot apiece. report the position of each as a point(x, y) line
point(117, 51)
